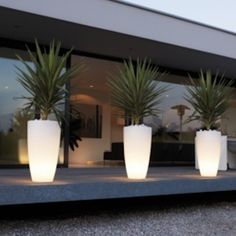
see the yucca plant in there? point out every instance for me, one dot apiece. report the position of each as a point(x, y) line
point(209, 97)
point(135, 91)
point(46, 80)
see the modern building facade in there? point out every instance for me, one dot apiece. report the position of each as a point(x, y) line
point(103, 33)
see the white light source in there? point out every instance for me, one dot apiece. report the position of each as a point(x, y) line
point(137, 147)
point(43, 149)
point(208, 150)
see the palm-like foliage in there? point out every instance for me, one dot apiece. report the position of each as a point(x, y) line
point(46, 80)
point(209, 98)
point(134, 90)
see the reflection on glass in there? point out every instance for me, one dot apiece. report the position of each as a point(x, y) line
point(171, 125)
point(19, 127)
point(173, 137)
point(13, 119)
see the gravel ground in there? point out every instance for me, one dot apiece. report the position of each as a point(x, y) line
point(197, 219)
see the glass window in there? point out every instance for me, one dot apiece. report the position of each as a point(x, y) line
point(173, 137)
point(171, 123)
point(13, 119)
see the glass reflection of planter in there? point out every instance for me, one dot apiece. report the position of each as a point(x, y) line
point(22, 151)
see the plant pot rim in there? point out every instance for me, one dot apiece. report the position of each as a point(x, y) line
point(140, 125)
point(40, 120)
point(206, 130)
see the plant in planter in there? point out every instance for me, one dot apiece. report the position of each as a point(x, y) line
point(134, 91)
point(46, 84)
point(210, 99)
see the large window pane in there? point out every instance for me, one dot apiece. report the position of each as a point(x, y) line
point(13, 119)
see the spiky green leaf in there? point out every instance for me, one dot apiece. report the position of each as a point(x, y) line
point(134, 90)
point(209, 98)
point(46, 80)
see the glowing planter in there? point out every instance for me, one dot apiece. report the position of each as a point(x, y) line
point(137, 147)
point(43, 149)
point(208, 150)
point(223, 156)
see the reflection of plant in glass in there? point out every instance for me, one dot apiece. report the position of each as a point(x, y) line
point(209, 98)
point(20, 122)
point(74, 128)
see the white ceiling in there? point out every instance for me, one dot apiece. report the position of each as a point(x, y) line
point(95, 74)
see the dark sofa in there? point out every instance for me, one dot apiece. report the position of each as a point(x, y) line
point(162, 153)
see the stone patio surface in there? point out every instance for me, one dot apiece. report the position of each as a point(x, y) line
point(95, 183)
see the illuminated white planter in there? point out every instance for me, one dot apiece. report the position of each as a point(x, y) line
point(208, 150)
point(43, 149)
point(137, 147)
point(223, 156)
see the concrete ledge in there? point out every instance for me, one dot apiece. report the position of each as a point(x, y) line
point(77, 184)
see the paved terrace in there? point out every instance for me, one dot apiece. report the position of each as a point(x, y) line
point(77, 184)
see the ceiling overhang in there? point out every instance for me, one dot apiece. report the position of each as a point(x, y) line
point(22, 26)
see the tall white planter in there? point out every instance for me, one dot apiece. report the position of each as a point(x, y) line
point(223, 163)
point(43, 149)
point(137, 147)
point(208, 150)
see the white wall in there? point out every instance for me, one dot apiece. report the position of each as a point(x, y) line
point(91, 149)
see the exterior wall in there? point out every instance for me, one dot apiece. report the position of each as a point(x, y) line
point(129, 20)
